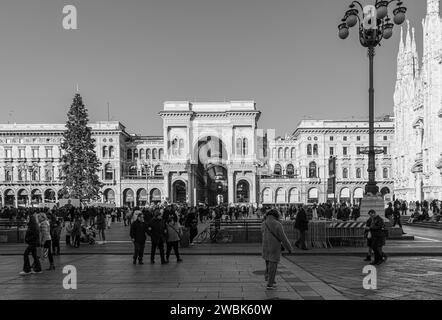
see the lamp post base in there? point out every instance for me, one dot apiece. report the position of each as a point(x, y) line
point(371, 189)
point(369, 202)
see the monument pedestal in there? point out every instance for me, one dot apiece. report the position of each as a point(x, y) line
point(368, 203)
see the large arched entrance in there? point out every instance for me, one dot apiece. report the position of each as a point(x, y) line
point(22, 198)
point(141, 197)
point(179, 192)
point(36, 197)
point(128, 198)
point(9, 198)
point(49, 196)
point(155, 196)
point(109, 196)
point(243, 192)
point(211, 174)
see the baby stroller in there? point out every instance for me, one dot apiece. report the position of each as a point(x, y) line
point(88, 235)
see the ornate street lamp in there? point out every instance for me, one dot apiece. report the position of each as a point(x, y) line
point(374, 25)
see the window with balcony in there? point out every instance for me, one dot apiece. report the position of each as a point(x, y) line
point(35, 176)
point(21, 153)
point(239, 146)
point(345, 173)
point(385, 173)
point(245, 147)
point(104, 153)
point(8, 153)
point(278, 170)
point(111, 152)
point(312, 171)
point(309, 149)
point(315, 150)
point(48, 152)
point(290, 171)
point(35, 153)
point(332, 151)
point(8, 175)
point(108, 172)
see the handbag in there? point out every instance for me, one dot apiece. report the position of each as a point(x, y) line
point(282, 247)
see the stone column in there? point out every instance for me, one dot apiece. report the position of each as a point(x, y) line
point(230, 183)
point(166, 184)
point(253, 191)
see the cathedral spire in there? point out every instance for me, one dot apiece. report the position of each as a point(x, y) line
point(400, 55)
point(432, 7)
point(408, 54)
point(415, 55)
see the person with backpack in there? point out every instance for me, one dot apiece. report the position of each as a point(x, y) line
point(273, 239)
point(174, 234)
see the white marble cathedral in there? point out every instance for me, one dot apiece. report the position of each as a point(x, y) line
point(418, 112)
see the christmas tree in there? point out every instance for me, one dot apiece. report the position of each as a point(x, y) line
point(80, 162)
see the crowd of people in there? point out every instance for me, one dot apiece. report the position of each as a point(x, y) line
point(165, 225)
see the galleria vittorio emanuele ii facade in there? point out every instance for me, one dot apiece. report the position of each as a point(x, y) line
point(209, 153)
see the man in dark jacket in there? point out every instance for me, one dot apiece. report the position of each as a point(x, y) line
point(138, 231)
point(157, 231)
point(376, 228)
point(389, 211)
point(301, 224)
point(32, 239)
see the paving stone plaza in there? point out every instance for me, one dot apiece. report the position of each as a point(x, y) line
point(229, 272)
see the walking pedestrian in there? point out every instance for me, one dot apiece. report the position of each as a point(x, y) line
point(101, 226)
point(273, 239)
point(174, 234)
point(158, 233)
point(32, 239)
point(376, 232)
point(45, 239)
point(301, 224)
point(138, 231)
point(55, 235)
point(68, 229)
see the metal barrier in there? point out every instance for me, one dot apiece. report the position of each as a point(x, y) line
point(12, 231)
point(326, 234)
point(320, 233)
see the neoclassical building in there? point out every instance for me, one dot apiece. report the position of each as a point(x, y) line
point(209, 153)
point(418, 112)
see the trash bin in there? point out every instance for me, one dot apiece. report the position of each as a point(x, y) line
point(185, 238)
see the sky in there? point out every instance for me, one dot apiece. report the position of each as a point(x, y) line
point(136, 54)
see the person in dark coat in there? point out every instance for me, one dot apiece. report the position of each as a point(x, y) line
point(397, 217)
point(32, 239)
point(192, 224)
point(301, 224)
point(157, 231)
point(376, 228)
point(389, 211)
point(138, 232)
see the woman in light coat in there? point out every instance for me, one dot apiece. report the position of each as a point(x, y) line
point(273, 237)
